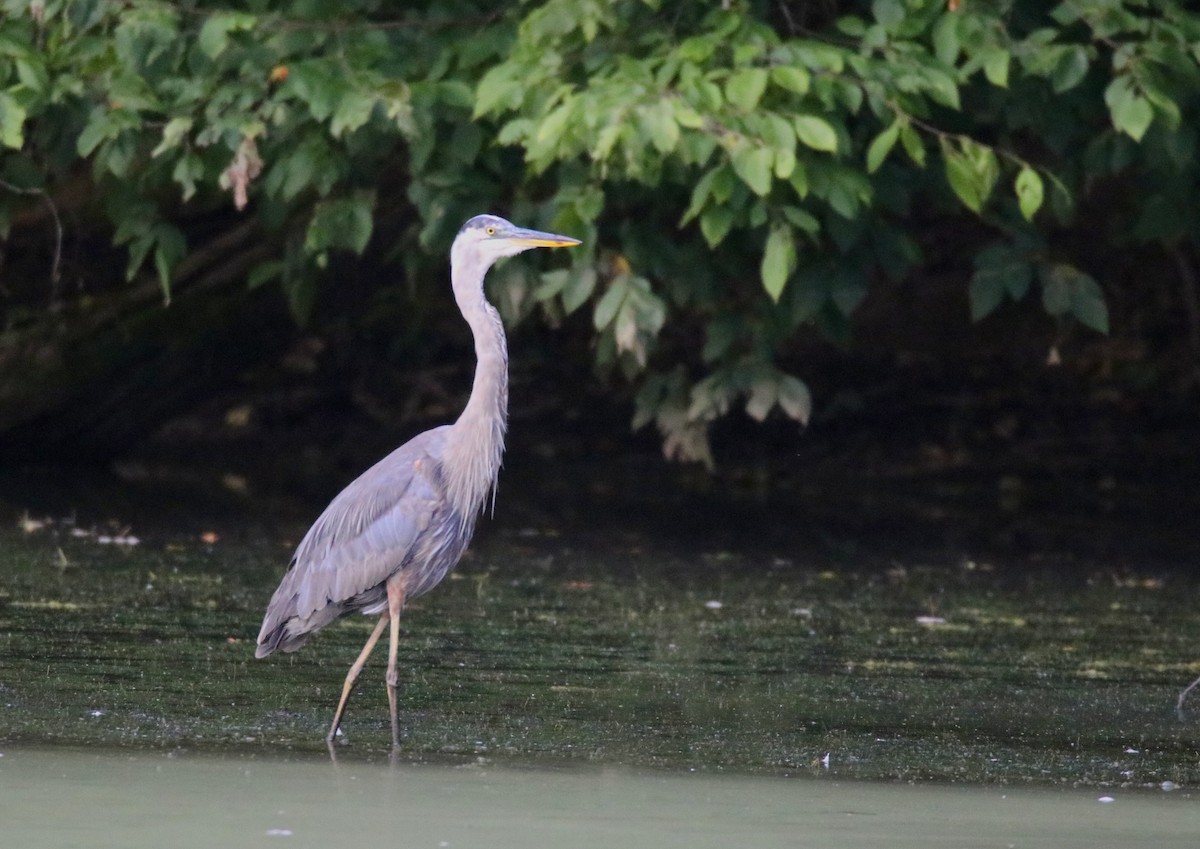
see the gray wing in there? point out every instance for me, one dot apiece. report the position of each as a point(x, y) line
point(369, 531)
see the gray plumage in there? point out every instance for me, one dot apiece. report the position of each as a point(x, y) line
point(396, 516)
point(400, 527)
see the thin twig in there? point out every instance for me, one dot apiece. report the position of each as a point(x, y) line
point(58, 229)
point(1184, 695)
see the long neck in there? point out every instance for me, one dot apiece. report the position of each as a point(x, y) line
point(475, 444)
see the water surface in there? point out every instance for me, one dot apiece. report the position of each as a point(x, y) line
point(65, 798)
point(539, 651)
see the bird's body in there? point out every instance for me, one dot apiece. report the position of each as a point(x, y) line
point(393, 519)
point(400, 527)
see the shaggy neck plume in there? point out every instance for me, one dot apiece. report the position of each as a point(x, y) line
point(475, 444)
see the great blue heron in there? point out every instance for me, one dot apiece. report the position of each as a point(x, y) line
point(396, 531)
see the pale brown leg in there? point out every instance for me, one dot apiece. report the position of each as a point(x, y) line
point(352, 675)
point(395, 595)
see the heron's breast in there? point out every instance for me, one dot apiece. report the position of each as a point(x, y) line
point(437, 553)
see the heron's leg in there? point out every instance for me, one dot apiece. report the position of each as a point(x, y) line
point(352, 675)
point(395, 596)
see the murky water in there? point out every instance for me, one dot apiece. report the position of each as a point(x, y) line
point(61, 799)
point(540, 653)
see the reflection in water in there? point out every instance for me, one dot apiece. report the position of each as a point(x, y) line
point(63, 798)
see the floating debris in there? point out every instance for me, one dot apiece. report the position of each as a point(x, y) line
point(30, 525)
point(120, 539)
point(713, 605)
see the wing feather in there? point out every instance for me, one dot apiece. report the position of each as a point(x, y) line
point(371, 530)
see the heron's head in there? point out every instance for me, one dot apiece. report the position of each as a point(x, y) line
point(486, 238)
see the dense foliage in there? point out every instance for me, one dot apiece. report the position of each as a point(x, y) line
point(738, 170)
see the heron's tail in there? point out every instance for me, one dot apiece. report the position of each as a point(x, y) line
point(286, 632)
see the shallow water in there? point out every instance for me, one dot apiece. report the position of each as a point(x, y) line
point(541, 651)
point(61, 799)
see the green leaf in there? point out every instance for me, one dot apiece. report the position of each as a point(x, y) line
point(720, 335)
point(32, 73)
point(580, 285)
point(300, 289)
point(961, 177)
point(1070, 69)
point(100, 127)
point(1030, 192)
point(263, 273)
point(169, 248)
point(791, 78)
point(745, 87)
point(847, 291)
point(1130, 111)
point(12, 121)
point(785, 162)
point(910, 139)
point(214, 34)
point(610, 302)
point(139, 248)
point(341, 223)
point(986, 165)
point(802, 219)
point(753, 162)
point(779, 260)
point(1088, 304)
point(1166, 106)
point(999, 270)
point(794, 398)
point(1067, 290)
point(188, 170)
point(941, 87)
point(995, 67)
point(946, 43)
point(315, 84)
point(660, 125)
point(764, 391)
point(552, 284)
point(700, 194)
point(353, 109)
point(985, 292)
point(890, 13)
point(715, 224)
point(972, 171)
point(882, 146)
point(499, 90)
point(173, 132)
point(816, 132)
point(852, 26)
point(549, 135)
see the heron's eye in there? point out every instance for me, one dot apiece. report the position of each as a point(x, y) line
point(491, 231)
